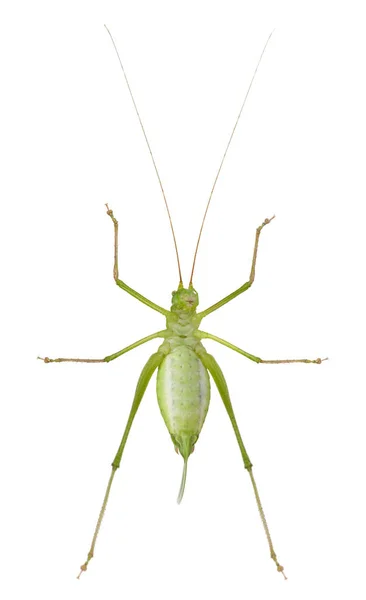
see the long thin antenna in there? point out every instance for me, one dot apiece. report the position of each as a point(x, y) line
point(151, 154)
point(224, 156)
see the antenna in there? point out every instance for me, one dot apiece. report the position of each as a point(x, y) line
point(151, 154)
point(224, 156)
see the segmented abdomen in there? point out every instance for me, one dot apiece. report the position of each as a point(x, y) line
point(183, 390)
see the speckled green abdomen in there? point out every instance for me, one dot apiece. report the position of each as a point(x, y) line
point(183, 390)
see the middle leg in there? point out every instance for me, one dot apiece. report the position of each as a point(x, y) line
point(204, 335)
point(106, 359)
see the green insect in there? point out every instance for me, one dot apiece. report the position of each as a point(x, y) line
point(183, 365)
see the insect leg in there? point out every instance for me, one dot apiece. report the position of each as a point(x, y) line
point(204, 335)
point(118, 281)
point(107, 358)
point(154, 361)
point(246, 285)
point(217, 375)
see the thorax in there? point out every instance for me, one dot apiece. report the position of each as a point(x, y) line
point(181, 328)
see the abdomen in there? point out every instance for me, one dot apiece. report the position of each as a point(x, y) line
point(183, 390)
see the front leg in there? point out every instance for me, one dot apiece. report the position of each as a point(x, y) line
point(246, 285)
point(118, 281)
point(204, 335)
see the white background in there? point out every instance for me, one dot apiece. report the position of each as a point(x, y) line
point(71, 142)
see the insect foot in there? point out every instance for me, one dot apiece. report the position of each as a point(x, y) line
point(84, 567)
point(280, 570)
point(109, 211)
point(266, 221)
